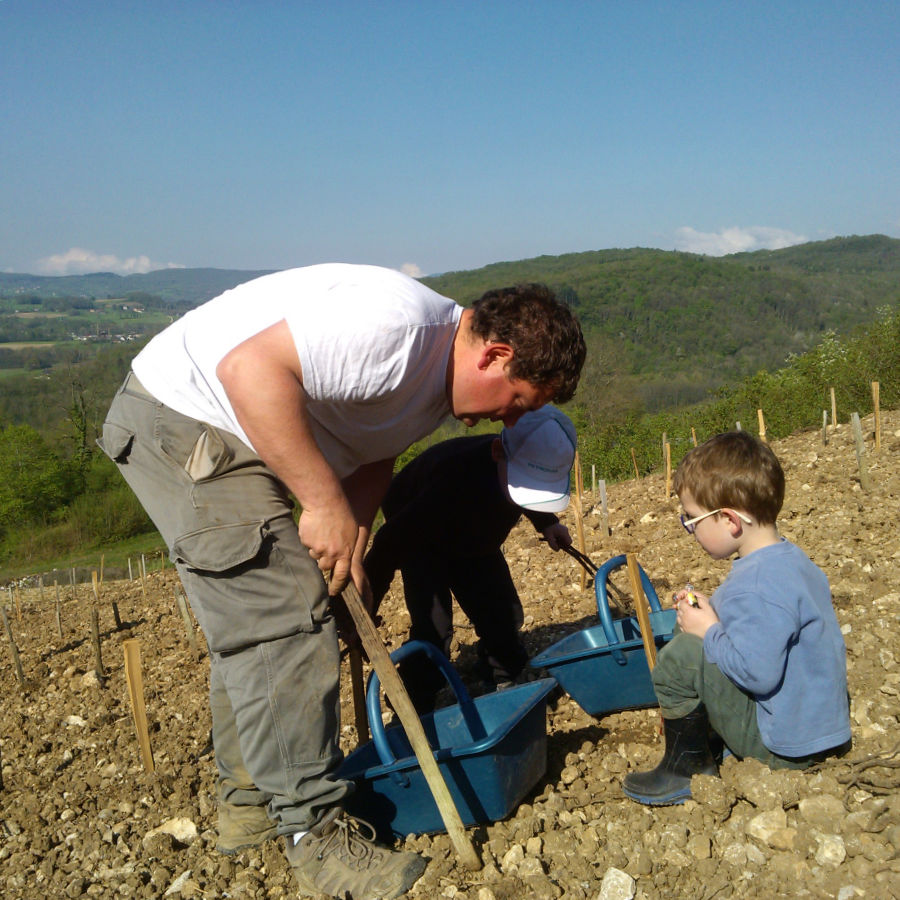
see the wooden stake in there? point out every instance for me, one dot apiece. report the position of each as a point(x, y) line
point(102, 557)
point(642, 609)
point(579, 513)
point(694, 435)
point(637, 474)
point(409, 719)
point(74, 593)
point(594, 483)
point(181, 600)
point(359, 694)
point(762, 426)
point(58, 612)
point(143, 577)
point(865, 482)
point(20, 675)
point(95, 640)
point(668, 470)
point(825, 427)
point(833, 410)
point(130, 576)
point(135, 682)
point(876, 408)
point(737, 426)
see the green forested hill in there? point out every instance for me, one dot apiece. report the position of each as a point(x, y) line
point(675, 319)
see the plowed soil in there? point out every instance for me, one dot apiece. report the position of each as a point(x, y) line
point(80, 815)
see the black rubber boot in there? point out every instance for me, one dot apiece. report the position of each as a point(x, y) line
point(687, 753)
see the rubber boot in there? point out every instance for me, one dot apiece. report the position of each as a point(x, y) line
point(687, 753)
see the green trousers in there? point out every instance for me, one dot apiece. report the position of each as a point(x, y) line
point(258, 596)
point(684, 678)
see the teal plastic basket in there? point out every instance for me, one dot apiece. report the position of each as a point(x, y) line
point(491, 751)
point(604, 668)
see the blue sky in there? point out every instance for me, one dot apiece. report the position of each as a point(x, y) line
point(438, 135)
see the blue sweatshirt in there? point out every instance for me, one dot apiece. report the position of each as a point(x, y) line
point(778, 639)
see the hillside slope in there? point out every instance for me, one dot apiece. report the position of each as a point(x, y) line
point(80, 817)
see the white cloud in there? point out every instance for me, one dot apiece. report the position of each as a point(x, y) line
point(735, 240)
point(412, 270)
point(78, 261)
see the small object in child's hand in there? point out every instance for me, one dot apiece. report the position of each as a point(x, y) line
point(690, 596)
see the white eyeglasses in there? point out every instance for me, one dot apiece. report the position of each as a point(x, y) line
point(691, 524)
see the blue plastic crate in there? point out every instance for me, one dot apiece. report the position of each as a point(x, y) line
point(604, 668)
point(491, 751)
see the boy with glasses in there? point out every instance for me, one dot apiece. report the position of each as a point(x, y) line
point(762, 662)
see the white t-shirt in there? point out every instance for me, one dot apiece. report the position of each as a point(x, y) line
point(373, 344)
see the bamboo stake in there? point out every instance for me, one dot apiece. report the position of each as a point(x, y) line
point(642, 609)
point(58, 611)
point(833, 410)
point(694, 435)
point(876, 407)
point(825, 427)
point(865, 482)
point(637, 474)
point(135, 681)
point(20, 675)
point(668, 470)
point(762, 426)
point(359, 694)
point(102, 557)
point(143, 577)
point(409, 719)
point(188, 624)
point(95, 640)
point(74, 592)
point(579, 514)
point(594, 482)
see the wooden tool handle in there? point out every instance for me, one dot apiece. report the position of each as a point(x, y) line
point(409, 719)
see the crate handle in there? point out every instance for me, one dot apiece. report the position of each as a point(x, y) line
point(603, 608)
point(373, 698)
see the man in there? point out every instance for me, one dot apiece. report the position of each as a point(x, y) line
point(306, 384)
point(447, 515)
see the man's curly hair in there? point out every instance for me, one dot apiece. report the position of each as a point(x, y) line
point(548, 345)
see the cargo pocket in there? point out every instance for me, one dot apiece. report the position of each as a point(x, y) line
point(245, 589)
point(116, 441)
point(194, 446)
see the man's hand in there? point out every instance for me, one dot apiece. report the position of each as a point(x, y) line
point(330, 534)
point(557, 536)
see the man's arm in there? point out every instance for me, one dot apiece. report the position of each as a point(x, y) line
point(365, 489)
point(264, 382)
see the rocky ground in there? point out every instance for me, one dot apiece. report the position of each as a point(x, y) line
point(80, 816)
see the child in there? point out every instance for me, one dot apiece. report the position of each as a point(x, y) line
point(762, 662)
point(447, 514)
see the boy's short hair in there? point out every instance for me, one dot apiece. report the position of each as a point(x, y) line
point(733, 470)
point(547, 342)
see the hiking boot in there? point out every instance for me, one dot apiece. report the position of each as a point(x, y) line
point(338, 857)
point(241, 827)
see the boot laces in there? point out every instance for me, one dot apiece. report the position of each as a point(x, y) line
point(351, 840)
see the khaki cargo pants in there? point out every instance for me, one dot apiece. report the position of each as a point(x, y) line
point(258, 596)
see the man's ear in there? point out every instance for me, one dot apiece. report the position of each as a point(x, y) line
point(494, 351)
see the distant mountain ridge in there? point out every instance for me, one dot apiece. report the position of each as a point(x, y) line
point(190, 286)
